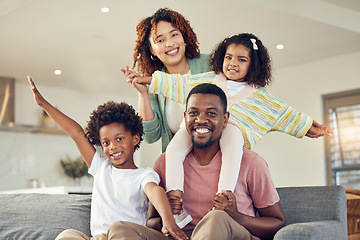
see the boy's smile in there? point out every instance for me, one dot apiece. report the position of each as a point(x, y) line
point(118, 145)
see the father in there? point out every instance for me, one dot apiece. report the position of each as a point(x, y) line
point(232, 215)
point(228, 215)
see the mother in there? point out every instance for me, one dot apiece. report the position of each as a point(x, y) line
point(166, 42)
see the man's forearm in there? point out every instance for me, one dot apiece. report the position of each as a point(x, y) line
point(154, 223)
point(270, 221)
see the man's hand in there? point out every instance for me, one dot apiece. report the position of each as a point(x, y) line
point(226, 201)
point(175, 202)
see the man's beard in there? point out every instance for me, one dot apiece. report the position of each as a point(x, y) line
point(202, 144)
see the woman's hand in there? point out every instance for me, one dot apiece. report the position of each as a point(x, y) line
point(129, 74)
point(135, 79)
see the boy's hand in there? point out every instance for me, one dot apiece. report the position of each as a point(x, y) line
point(318, 130)
point(37, 96)
point(173, 229)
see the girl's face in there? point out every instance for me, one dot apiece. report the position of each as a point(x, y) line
point(168, 45)
point(118, 145)
point(236, 62)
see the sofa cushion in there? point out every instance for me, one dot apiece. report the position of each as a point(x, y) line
point(43, 216)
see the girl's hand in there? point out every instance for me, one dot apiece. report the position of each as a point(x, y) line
point(318, 130)
point(170, 227)
point(39, 99)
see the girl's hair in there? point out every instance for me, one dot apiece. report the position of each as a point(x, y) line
point(259, 73)
point(142, 54)
point(111, 112)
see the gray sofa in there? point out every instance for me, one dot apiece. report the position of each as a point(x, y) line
point(311, 213)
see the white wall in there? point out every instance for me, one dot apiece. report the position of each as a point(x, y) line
point(292, 162)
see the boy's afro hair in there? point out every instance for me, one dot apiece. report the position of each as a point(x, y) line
point(111, 112)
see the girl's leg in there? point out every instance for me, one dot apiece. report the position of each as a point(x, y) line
point(231, 144)
point(178, 148)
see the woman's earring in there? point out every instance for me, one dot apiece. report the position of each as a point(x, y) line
point(152, 57)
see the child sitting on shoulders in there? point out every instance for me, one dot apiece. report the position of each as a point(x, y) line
point(242, 69)
point(121, 190)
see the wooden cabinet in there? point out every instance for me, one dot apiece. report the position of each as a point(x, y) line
point(353, 213)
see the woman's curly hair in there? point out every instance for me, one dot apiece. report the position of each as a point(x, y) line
point(142, 55)
point(259, 73)
point(111, 112)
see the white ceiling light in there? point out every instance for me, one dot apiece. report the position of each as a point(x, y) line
point(280, 46)
point(105, 10)
point(57, 72)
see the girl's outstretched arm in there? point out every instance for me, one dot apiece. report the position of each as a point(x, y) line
point(72, 128)
point(157, 197)
point(318, 130)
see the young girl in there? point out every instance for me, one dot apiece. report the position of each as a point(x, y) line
point(242, 68)
point(121, 190)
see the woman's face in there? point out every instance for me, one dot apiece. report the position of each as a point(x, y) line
point(168, 45)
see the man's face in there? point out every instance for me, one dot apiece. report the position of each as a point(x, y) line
point(205, 119)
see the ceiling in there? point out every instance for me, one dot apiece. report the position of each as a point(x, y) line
point(40, 36)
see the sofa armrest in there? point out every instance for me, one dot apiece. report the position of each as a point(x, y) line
point(312, 231)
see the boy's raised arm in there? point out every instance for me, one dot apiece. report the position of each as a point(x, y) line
point(71, 127)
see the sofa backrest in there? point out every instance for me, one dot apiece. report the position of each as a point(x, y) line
point(311, 204)
point(42, 216)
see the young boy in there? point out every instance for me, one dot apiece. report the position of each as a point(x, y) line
point(121, 191)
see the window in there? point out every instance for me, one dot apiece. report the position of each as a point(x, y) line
point(342, 115)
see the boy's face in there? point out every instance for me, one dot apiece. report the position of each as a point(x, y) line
point(205, 119)
point(236, 62)
point(118, 145)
